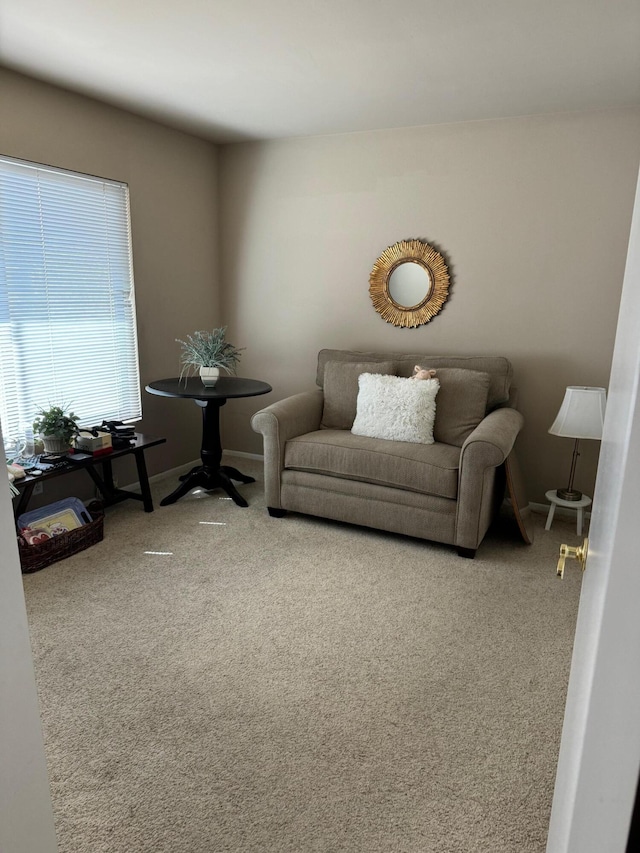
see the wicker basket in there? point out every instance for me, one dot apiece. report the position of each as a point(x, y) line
point(36, 557)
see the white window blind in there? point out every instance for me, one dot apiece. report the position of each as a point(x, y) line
point(67, 307)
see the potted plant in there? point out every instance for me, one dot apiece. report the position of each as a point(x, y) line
point(58, 427)
point(208, 352)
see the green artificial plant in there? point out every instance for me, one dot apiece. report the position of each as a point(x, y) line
point(208, 349)
point(56, 422)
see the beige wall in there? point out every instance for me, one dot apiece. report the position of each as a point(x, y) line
point(533, 214)
point(172, 179)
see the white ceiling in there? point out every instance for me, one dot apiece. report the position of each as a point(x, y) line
point(259, 69)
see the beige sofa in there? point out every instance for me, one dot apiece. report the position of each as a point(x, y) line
point(447, 491)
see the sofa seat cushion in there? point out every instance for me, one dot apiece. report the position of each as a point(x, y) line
point(430, 469)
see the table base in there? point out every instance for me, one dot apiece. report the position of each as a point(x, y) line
point(209, 479)
point(211, 474)
point(579, 506)
point(100, 469)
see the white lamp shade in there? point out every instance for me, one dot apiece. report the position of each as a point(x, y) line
point(581, 414)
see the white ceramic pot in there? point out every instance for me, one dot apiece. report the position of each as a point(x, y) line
point(209, 376)
point(53, 444)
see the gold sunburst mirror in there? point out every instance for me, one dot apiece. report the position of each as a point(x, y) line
point(409, 283)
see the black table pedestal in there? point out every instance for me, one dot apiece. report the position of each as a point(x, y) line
point(207, 479)
point(211, 474)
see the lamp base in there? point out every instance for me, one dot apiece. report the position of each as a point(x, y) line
point(569, 494)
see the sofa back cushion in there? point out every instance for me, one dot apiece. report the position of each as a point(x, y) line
point(499, 368)
point(461, 403)
point(341, 390)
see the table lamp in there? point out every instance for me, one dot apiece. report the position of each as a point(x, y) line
point(581, 415)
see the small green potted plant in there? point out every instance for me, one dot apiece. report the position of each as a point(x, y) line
point(208, 353)
point(58, 427)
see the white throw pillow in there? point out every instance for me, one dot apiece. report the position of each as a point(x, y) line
point(395, 408)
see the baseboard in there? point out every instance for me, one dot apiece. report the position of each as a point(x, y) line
point(258, 456)
point(170, 472)
point(182, 469)
point(173, 472)
point(567, 512)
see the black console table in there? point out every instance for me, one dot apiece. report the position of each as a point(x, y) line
point(211, 474)
point(99, 468)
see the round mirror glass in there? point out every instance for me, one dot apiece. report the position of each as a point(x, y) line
point(409, 284)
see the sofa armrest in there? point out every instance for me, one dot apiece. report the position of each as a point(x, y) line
point(499, 430)
point(279, 422)
point(482, 453)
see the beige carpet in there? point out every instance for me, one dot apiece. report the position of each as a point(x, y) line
point(297, 685)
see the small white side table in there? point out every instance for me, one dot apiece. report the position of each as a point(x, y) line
point(555, 501)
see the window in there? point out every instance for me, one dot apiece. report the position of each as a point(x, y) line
point(67, 308)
